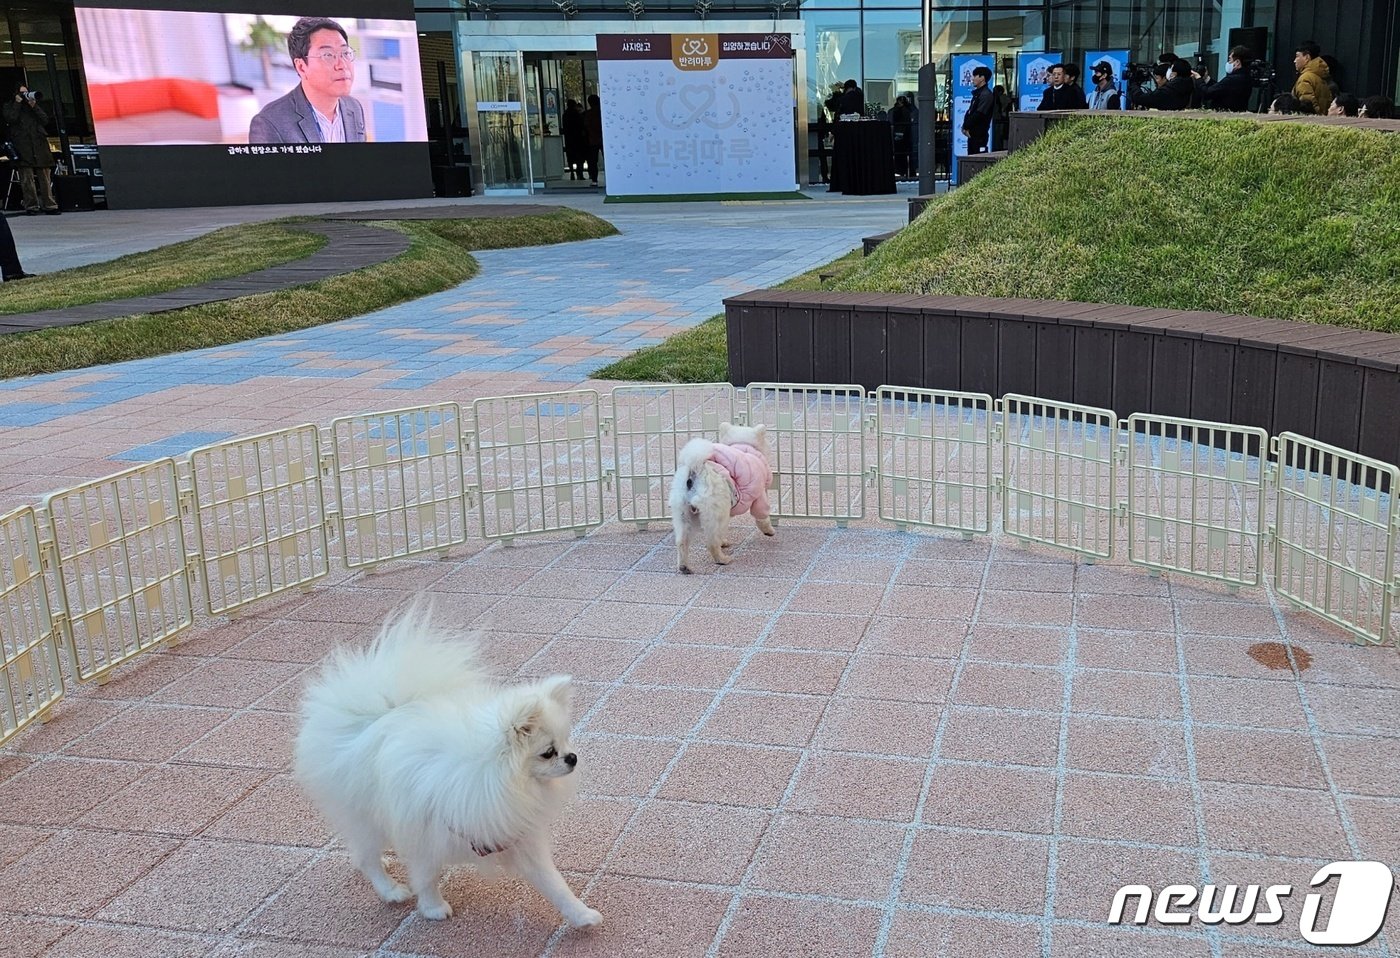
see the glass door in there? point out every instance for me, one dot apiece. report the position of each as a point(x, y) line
point(504, 134)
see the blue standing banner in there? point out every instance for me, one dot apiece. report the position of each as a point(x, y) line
point(963, 65)
point(1118, 60)
point(1032, 78)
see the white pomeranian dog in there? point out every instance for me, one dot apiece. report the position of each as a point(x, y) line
point(716, 481)
point(410, 745)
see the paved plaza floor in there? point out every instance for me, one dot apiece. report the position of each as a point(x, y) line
point(852, 741)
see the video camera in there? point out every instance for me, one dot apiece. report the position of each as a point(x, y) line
point(1261, 73)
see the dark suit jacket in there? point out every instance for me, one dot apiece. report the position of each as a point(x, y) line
point(291, 119)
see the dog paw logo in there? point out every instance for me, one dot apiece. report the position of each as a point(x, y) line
point(697, 104)
point(696, 51)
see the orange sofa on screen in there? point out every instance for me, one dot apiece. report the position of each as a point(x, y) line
point(111, 101)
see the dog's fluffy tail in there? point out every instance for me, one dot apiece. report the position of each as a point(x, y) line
point(692, 456)
point(408, 661)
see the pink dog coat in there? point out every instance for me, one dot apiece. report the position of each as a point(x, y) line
point(749, 474)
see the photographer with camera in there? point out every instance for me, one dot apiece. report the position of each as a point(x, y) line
point(1174, 91)
point(1232, 91)
point(31, 142)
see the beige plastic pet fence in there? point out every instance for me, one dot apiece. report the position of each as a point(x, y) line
point(109, 569)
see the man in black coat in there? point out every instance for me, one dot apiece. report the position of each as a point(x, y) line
point(1061, 94)
point(35, 163)
point(852, 100)
point(977, 122)
point(1174, 88)
point(1232, 91)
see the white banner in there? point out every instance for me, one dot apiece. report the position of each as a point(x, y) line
point(697, 113)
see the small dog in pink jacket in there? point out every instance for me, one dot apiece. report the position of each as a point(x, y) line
point(716, 481)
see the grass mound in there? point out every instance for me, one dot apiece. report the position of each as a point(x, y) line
point(1280, 220)
point(435, 260)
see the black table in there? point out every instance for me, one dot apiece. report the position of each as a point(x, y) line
point(863, 158)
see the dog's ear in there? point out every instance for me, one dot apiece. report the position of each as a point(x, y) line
point(724, 428)
point(559, 688)
point(522, 718)
point(760, 431)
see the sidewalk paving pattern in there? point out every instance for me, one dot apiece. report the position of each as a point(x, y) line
point(848, 742)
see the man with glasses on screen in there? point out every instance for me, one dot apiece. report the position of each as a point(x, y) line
point(320, 108)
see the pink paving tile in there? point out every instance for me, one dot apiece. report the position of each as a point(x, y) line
point(568, 584)
point(1231, 619)
point(148, 733)
point(248, 740)
point(896, 635)
point(950, 548)
point(529, 614)
point(26, 937)
point(1127, 746)
point(173, 799)
point(1356, 710)
point(615, 554)
point(1117, 580)
point(12, 764)
point(178, 894)
point(287, 696)
point(463, 611)
point(144, 675)
point(977, 871)
point(71, 719)
point(878, 726)
point(1017, 644)
point(406, 575)
point(863, 570)
point(694, 666)
point(748, 775)
point(717, 627)
point(300, 642)
point(815, 855)
point(1054, 576)
point(626, 767)
point(1258, 704)
point(639, 711)
point(17, 840)
point(1137, 613)
point(985, 735)
point(99, 941)
point(1374, 821)
point(646, 918)
point(1258, 757)
point(1010, 686)
point(1230, 658)
point(929, 602)
point(764, 718)
point(1134, 651)
point(734, 593)
point(1273, 821)
point(330, 903)
point(897, 677)
point(1072, 942)
point(1126, 694)
point(623, 620)
point(665, 588)
point(836, 783)
point(924, 935)
point(1265, 870)
point(275, 813)
point(79, 871)
point(348, 605)
point(597, 659)
point(1089, 874)
point(831, 597)
point(1025, 800)
point(959, 573)
point(807, 928)
point(1115, 807)
point(1354, 666)
point(1364, 765)
point(587, 831)
point(1025, 608)
point(491, 917)
point(841, 633)
point(698, 843)
point(814, 673)
point(57, 791)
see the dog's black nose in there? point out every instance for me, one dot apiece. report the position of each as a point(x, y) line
point(571, 760)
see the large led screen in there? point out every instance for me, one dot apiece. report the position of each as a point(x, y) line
point(214, 106)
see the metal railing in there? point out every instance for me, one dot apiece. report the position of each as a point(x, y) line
point(104, 571)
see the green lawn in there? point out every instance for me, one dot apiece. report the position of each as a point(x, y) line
point(435, 260)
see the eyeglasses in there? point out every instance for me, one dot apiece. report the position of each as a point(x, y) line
point(329, 59)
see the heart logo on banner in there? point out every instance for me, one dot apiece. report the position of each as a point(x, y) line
point(696, 99)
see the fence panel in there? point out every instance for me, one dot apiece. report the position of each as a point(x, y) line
point(649, 425)
point(935, 458)
point(260, 516)
point(1058, 474)
point(123, 572)
point(1196, 497)
point(400, 489)
point(31, 680)
point(816, 438)
point(1334, 535)
point(539, 463)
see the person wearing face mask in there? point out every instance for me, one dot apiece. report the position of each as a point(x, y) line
point(1232, 91)
point(1105, 95)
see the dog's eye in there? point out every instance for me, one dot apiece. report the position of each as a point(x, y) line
point(549, 754)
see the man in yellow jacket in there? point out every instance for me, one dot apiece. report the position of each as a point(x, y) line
point(1312, 89)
